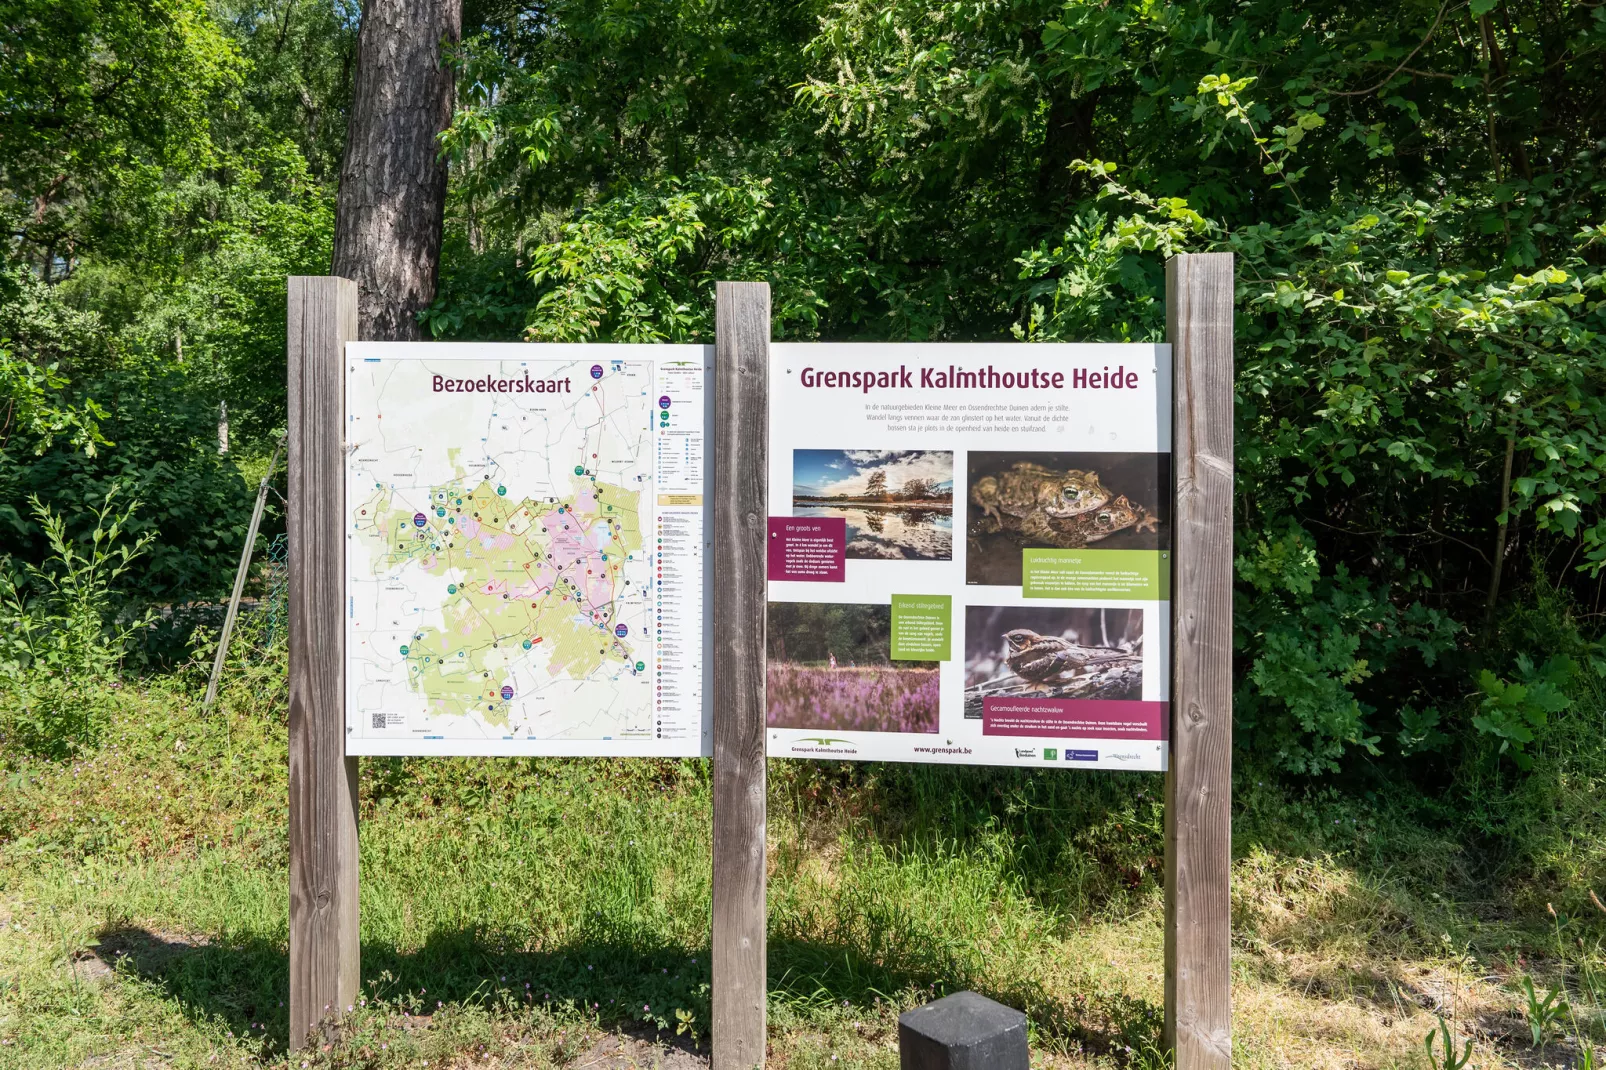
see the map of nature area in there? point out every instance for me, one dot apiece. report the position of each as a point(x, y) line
point(499, 582)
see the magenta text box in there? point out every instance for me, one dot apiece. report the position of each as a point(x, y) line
point(812, 549)
point(1074, 718)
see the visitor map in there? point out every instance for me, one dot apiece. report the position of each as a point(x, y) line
point(524, 548)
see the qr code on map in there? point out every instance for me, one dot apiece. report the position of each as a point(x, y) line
point(379, 720)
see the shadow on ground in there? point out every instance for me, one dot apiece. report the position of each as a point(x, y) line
point(243, 986)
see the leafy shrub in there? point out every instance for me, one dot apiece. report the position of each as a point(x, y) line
point(52, 718)
point(1311, 642)
point(61, 617)
point(62, 637)
point(1515, 713)
point(163, 449)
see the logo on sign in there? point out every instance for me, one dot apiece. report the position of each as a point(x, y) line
point(1125, 757)
point(419, 520)
point(823, 745)
point(621, 631)
point(507, 692)
point(1025, 752)
point(1081, 755)
point(596, 371)
point(663, 402)
point(1050, 754)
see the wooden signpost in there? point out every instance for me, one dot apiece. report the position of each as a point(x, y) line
point(324, 954)
point(1198, 782)
point(741, 449)
point(324, 961)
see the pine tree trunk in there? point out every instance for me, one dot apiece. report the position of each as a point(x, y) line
point(392, 197)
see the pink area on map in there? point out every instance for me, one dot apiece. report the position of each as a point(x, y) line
point(468, 526)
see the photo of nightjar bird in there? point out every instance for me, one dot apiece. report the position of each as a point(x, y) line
point(1046, 660)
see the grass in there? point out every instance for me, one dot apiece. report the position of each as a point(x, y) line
point(517, 913)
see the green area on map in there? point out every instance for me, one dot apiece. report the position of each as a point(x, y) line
point(922, 627)
point(1134, 575)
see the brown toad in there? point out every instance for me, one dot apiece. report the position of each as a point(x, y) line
point(1027, 498)
point(1077, 531)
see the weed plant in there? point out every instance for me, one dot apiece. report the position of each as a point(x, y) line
point(62, 637)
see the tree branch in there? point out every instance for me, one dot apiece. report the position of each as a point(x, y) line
point(1443, 7)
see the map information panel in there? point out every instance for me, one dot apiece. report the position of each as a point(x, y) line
point(525, 531)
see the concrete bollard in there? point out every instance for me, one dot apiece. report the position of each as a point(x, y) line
point(963, 1031)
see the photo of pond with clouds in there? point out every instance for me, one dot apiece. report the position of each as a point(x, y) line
point(898, 504)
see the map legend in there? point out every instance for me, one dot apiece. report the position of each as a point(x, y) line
point(679, 571)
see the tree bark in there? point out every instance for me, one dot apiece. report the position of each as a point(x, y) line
point(392, 199)
point(1068, 135)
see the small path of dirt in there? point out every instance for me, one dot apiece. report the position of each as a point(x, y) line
point(631, 1053)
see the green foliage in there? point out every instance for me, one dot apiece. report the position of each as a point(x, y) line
point(1530, 820)
point(165, 454)
point(1414, 195)
point(1543, 1014)
point(102, 97)
point(60, 618)
point(1515, 713)
point(1419, 731)
point(1447, 1058)
point(1313, 641)
point(62, 639)
point(1417, 226)
point(191, 155)
point(37, 413)
point(1376, 394)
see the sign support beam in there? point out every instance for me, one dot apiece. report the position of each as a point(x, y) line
point(324, 961)
point(741, 464)
point(1198, 783)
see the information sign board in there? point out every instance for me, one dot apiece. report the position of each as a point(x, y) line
point(525, 535)
point(969, 554)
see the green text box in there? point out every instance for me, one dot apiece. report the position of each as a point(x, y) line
point(922, 627)
point(1132, 575)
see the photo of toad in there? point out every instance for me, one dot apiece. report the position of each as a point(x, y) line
point(1013, 500)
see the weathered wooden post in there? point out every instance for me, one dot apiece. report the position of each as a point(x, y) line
point(1198, 810)
point(741, 452)
point(324, 965)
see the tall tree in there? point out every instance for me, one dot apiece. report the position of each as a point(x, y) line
point(392, 199)
point(105, 111)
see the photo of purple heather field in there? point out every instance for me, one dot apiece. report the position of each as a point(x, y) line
point(830, 667)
